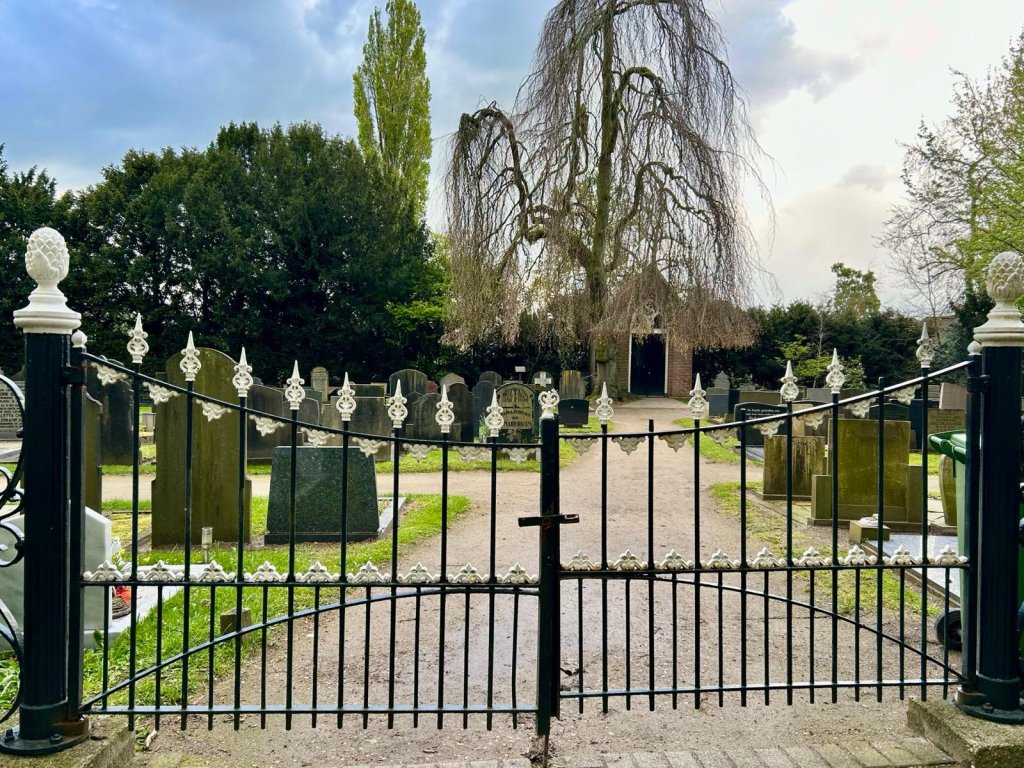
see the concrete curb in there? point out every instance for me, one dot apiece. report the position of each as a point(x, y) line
point(110, 745)
point(971, 740)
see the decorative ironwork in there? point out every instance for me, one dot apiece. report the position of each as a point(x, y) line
point(419, 451)
point(768, 428)
point(367, 446)
point(473, 452)
point(604, 410)
point(722, 436)
point(765, 559)
point(901, 556)
point(214, 573)
point(812, 420)
point(789, 391)
point(317, 573)
point(79, 339)
point(105, 571)
point(346, 403)
point(675, 562)
point(316, 437)
point(947, 556)
point(293, 391)
point(811, 558)
point(857, 556)
point(190, 364)
point(137, 345)
point(518, 455)
point(266, 574)
point(860, 408)
point(160, 573)
point(468, 575)
point(517, 575)
point(904, 395)
point(548, 400)
point(494, 420)
point(397, 411)
point(108, 376)
point(579, 444)
point(159, 394)
point(242, 381)
point(628, 444)
point(720, 561)
point(418, 574)
point(835, 378)
point(926, 347)
point(368, 573)
point(1004, 282)
point(213, 411)
point(579, 562)
point(698, 405)
point(628, 562)
point(445, 415)
point(675, 441)
point(266, 425)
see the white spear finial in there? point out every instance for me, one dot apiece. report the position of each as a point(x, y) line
point(242, 380)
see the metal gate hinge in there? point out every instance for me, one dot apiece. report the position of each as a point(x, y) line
point(72, 374)
point(546, 521)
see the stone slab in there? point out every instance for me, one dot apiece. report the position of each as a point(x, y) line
point(969, 740)
point(808, 459)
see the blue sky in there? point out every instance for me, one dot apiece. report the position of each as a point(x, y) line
point(833, 87)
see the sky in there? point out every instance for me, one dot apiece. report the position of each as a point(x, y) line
point(833, 87)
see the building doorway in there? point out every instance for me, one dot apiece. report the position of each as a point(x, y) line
point(647, 365)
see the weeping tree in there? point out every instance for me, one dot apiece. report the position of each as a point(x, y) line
point(609, 194)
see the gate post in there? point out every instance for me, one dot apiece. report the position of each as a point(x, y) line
point(44, 724)
point(995, 588)
point(549, 611)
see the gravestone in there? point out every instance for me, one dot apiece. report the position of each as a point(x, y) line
point(952, 397)
point(482, 393)
point(520, 411)
point(766, 397)
point(754, 439)
point(432, 388)
point(819, 394)
point(116, 434)
point(318, 499)
point(947, 489)
point(574, 412)
point(722, 381)
point(450, 379)
point(309, 413)
point(371, 390)
point(858, 475)
point(259, 446)
point(413, 382)
point(421, 423)
point(896, 412)
point(95, 551)
point(542, 380)
point(215, 458)
point(571, 386)
point(746, 387)
point(93, 480)
point(370, 418)
point(320, 381)
point(803, 429)
point(946, 419)
point(808, 460)
point(462, 406)
point(10, 414)
point(492, 377)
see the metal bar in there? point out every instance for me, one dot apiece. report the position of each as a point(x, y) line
point(579, 638)
point(443, 577)
point(549, 608)
point(696, 562)
point(833, 451)
point(924, 522)
point(968, 605)
point(393, 609)
point(209, 655)
point(721, 657)
point(290, 641)
point(465, 663)
point(881, 528)
point(134, 576)
point(766, 648)
point(263, 657)
point(240, 563)
point(492, 562)
point(515, 654)
point(159, 651)
point(76, 539)
point(186, 610)
point(743, 559)
point(789, 551)
point(416, 660)
point(856, 635)
point(650, 561)
point(343, 570)
point(604, 565)
point(316, 650)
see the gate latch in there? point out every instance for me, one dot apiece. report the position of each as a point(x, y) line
point(546, 521)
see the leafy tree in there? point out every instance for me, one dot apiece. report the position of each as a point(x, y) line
point(392, 97)
point(610, 187)
point(28, 200)
point(854, 294)
point(964, 182)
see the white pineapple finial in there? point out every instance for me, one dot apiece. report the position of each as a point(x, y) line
point(293, 392)
point(242, 380)
point(789, 390)
point(47, 261)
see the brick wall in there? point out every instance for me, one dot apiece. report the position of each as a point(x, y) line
point(680, 369)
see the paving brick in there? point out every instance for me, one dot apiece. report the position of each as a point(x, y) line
point(619, 761)
point(805, 757)
point(895, 754)
point(745, 758)
point(650, 760)
point(581, 761)
point(484, 764)
point(926, 752)
point(682, 760)
point(713, 758)
point(774, 758)
point(516, 762)
point(867, 754)
point(836, 756)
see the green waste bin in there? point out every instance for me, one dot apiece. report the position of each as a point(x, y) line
point(954, 445)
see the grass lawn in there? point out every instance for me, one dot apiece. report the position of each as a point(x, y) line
point(933, 461)
point(712, 451)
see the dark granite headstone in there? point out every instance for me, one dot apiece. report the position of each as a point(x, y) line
point(521, 412)
point(723, 403)
point(754, 439)
point(493, 377)
point(116, 438)
point(571, 386)
point(215, 457)
point(369, 418)
point(413, 382)
point(259, 446)
point(482, 394)
point(574, 412)
point(318, 499)
point(462, 406)
point(421, 424)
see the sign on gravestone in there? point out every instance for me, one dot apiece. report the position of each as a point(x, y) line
point(493, 377)
point(318, 499)
point(215, 458)
point(320, 380)
point(10, 414)
point(520, 411)
point(116, 438)
point(571, 386)
point(462, 406)
point(413, 382)
point(754, 438)
point(482, 393)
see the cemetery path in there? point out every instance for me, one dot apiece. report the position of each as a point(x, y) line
point(473, 644)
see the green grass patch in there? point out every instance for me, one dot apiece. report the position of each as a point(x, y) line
point(592, 426)
point(769, 529)
point(711, 451)
point(933, 461)
point(432, 463)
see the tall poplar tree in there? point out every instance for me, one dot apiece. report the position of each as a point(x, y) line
point(392, 97)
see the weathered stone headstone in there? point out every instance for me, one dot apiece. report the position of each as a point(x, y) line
point(263, 436)
point(482, 393)
point(808, 460)
point(318, 499)
point(492, 377)
point(722, 403)
point(542, 380)
point(952, 397)
point(571, 386)
point(432, 388)
point(858, 475)
point(421, 423)
point(947, 489)
point(309, 412)
point(116, 437)
point(767, 397)
point(722, 381)
point(574, 412)
point(371, 390)
point(320, 380)
point(805, 429)
point(462, 406)
point(215, 459)
point(520, 411)
point(946, 420)
point(754, 438)
point(450, 379)
point(93, 470)
point(413, 382)
point(369, 418)
point(10, 414)
point(746, 387)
